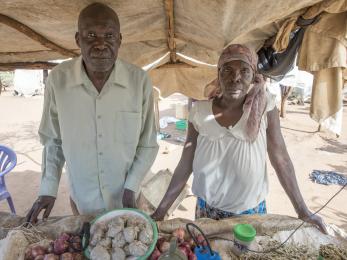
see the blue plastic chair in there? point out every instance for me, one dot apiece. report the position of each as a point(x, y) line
point(8, 160)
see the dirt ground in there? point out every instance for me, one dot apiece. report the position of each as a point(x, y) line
point(309, 149)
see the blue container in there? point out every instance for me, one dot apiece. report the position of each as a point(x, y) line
point(203, 253)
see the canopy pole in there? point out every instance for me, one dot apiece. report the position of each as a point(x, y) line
point(45, 76)
point(35, 36)
point(169, 9)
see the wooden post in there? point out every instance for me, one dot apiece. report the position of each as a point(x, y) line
point(157, 115)
point(319, 128)
point(190, 104)
point(285, 92)
point(156, 97)
point(45, 75)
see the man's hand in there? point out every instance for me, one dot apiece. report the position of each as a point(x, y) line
point(315, 220)
point(157, 216)
point(42, 203)
point(129, 200)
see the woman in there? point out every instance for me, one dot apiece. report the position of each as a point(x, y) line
point(227, 142)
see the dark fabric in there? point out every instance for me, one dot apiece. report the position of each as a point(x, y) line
point(328, 177)
point(203, 210)
point(276, 65)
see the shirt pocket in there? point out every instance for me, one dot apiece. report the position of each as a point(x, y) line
point(127, 127)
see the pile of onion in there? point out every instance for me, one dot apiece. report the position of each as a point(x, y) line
point(65, 247)
point(184, 243)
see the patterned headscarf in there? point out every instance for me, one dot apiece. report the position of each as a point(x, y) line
point(238, 52)
point(255, 103)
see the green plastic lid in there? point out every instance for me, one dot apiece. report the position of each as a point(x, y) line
point(244, 232)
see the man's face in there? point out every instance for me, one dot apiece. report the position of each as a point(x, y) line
point(235, 79)
point(99, 39)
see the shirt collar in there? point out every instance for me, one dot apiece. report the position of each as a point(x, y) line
point(119, 75)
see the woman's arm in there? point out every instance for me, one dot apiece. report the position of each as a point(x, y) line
point(284, 168)
point(181, 174)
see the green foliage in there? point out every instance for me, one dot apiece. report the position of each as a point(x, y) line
point(7, 78)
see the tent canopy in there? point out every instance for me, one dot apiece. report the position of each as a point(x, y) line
point(200, 28)
point(40, 31)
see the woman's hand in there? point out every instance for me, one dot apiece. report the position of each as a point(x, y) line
point(316, 220)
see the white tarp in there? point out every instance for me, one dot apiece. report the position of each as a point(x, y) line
point(28, 82)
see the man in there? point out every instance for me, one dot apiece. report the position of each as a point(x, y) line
point(98, 118)
point(228, 139)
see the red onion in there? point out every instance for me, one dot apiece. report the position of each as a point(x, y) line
point(67, 256)
point(51, 257)
point(50, 248)
point(179, 233)
point(160, 241)
point(64, 236)
point(78, 256)
point(37, 251)
point(186, 244)
point(165, 246)
point(28, 255)
point(60, 246)
point(76, 243)
point(192, 256)
point(184, 250)
point(155, 255)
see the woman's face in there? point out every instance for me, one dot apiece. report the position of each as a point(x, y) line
point(235, 78)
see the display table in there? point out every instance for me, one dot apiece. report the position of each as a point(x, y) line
point(271, 230)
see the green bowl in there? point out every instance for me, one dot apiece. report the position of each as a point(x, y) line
point(125, 211)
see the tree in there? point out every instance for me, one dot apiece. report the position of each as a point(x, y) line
point(285, 92)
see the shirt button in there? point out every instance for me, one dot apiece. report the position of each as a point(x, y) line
point(100, 135)
point(101, 153)
point(102, 171)
point(99, 116)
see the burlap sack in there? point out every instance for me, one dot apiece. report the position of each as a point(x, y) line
point(154, 189)
point(271, 231)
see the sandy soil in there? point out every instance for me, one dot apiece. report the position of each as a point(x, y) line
point(20, 117)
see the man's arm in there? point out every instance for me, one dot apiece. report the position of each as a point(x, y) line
point(181, 175)
point(283, 166)
point(147, 148)
point(52, 157)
